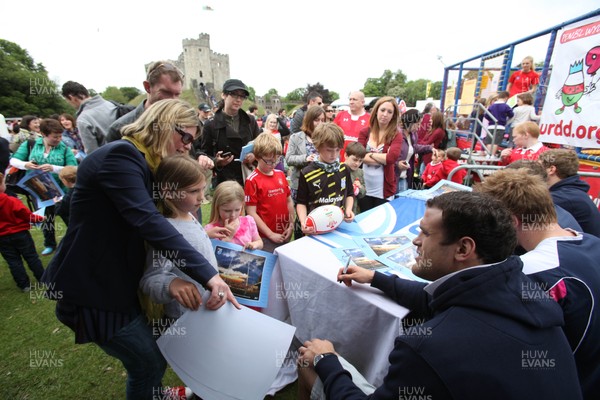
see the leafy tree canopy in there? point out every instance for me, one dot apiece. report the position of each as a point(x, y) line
point(296, 95)
point(113, 93)
point(24, 85)
point(130, 93)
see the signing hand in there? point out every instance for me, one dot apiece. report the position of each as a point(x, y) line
point(186, 293)
point(219, 294)
point(355, 273)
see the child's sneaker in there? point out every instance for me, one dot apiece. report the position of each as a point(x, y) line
point(178, 393)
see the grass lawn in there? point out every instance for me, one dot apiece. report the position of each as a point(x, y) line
point(40, 359)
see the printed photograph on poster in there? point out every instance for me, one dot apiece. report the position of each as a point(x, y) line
point(402, 262)
point(384, 244)
point(247, 272)
point(42, 187)
point(443, 186)
point(360, 258)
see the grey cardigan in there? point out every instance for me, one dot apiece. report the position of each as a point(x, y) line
point(296, 156)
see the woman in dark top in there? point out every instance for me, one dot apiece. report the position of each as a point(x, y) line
point(98, 265)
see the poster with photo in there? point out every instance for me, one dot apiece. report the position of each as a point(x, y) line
point(247, 272)
point(384, 244)
point(42, 187)
point(361, 256)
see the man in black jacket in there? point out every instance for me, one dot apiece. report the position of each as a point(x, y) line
point(488, 332)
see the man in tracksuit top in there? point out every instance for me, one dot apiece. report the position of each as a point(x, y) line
point(564, 263)
point(483, 336)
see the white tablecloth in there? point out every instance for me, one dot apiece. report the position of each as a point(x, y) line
point(360, 321)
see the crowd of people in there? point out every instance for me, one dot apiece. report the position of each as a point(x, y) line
point(145, 174)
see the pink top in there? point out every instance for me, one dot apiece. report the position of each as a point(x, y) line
point(246, 232)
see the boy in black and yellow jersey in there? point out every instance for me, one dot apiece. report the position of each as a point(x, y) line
point(325, 181)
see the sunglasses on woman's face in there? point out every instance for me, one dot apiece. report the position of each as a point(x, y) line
point(186, 138)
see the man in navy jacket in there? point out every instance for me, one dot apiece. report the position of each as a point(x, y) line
point(489, 332)
point(568, 190)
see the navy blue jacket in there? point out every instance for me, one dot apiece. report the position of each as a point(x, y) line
point(100, 261)
point(571, 193)
point(569, 268)
point(484, 338)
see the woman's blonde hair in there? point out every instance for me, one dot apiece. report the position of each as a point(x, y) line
point(154, 128)
point(269, 119)
point(173, 175)
point(226, 192)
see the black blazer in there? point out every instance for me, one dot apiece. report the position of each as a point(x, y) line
point(100, 261)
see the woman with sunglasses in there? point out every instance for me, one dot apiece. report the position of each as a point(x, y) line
point(329, 113)
point(97, 268)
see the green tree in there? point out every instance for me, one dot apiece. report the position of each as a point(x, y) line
point(386, 85)
point(414, 90)
point(113, 93)
point(24, 85)
point(130, 93)
point(436, 90)
point(296, 95)
point(269, 94)
point(252, 95)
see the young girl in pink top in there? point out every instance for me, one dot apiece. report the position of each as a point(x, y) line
point(226, 211)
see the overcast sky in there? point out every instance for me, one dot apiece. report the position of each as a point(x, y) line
point(281, 44)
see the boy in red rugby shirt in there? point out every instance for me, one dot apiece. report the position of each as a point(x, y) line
point(15, 239)
point(433, 167)
point(451, 162)
point(268, 195)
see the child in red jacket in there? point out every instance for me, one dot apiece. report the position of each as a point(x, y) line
point(437, 156)
point(451, 162)
point(15, 239)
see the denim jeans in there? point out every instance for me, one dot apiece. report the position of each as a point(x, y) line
point(135, 346)
point(15, 246)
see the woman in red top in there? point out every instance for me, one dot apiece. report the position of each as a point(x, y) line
point(434, 136)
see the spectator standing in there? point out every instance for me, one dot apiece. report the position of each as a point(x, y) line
point(94, 115)
point(354, 120)
point(71, 136)
point(502, 112)
point(524, 80)
point(231, 128)
point(16, 242)
point(48, 154)
point(568, 190)
point(434, 136)
point(163, 81)
point(409, 124)
point(312, 99)
point(29, 128)
point(383, 143)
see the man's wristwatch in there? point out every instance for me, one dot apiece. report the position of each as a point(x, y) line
point(319, 357)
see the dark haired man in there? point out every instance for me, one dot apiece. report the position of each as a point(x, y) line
point(94, 114)
point(483, 336)
point(163, 81)
point(312, 99)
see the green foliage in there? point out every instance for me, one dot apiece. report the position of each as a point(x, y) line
point(296, 95)
point(24, 85)
point(319, 88)
point(436, 90)
point(252, 92)
point(389, 84)
point(113, 93)
point(130, 92)
point(414, 90)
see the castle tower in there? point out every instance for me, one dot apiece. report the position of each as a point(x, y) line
point(202, 65)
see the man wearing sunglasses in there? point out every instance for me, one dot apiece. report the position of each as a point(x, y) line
point(163, 81)
point(224, 135)
point(312, 99)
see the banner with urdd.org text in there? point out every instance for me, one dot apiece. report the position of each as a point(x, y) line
point(572, 104)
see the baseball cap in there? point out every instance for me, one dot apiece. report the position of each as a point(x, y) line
point(234, 84)
point(204, 107)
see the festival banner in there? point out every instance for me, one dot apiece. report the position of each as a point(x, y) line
point(572, 104)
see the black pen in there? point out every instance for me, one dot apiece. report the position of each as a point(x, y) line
point(345, 268)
